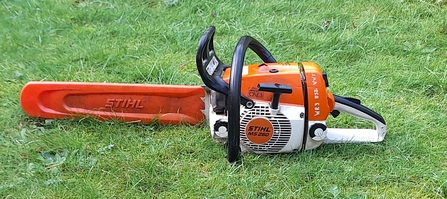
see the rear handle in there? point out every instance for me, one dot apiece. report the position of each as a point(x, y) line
point(338, 135)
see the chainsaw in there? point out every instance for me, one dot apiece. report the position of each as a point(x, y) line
point(267, 107)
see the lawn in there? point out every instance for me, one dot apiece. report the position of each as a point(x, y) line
point(392, 55)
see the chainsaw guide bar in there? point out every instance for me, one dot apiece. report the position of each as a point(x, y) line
point(123, 102)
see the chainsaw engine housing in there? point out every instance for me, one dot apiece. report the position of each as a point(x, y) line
point(264, 129)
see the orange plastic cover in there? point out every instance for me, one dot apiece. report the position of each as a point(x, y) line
point(166, 104)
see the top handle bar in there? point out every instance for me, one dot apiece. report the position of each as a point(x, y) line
point(234, 93)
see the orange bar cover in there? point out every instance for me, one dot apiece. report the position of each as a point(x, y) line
point(166, 104)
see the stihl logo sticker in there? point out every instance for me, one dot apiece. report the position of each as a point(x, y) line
point(259, 130)
point(123, 103)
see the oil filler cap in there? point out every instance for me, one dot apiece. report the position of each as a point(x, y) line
point(318, 131)
point(221, 128)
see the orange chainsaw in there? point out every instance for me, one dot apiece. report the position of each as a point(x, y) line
point(269, 107)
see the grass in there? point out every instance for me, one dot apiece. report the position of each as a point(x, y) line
point(390, 54)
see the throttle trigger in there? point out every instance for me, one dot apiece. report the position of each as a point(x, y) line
point(335, 113)
point(357, 101)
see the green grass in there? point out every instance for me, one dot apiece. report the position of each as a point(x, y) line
point(394, 60)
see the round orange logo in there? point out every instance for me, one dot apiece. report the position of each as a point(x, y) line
point(259, 130)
